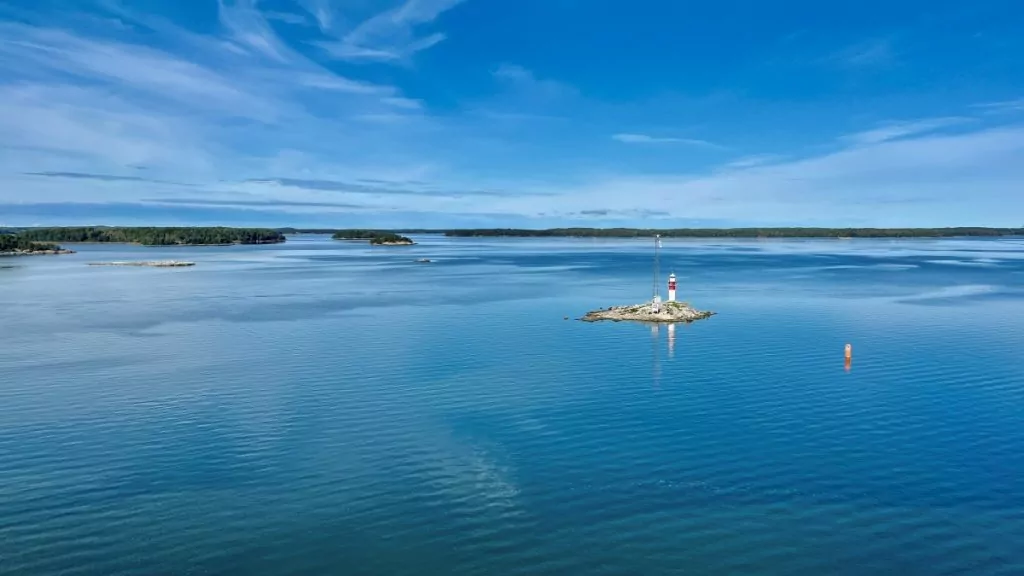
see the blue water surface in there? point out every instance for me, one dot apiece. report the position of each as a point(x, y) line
point(322, 407)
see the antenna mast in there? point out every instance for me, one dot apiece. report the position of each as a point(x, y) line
point(657, 272)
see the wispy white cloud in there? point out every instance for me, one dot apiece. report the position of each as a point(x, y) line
point(38, 53)
point(870, 53)
point(286, 17)
point(950, 179)
point(895, 130)
point(1004, 106)
point(249, 28)
point(390, 36)
point(514, 73)
point(754, 160)
point(646, 139)
point(80, 103)
point(529, 85)
point(406, 103)
point(47, 127)
point(341, 84)
point(321, 11)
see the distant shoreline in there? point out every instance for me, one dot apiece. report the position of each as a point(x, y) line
point(252, 236)
point(748, 233)
point(697, 233)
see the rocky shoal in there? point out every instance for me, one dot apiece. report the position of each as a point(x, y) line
point(668, 312)
point(35, 252)
point(150, 263)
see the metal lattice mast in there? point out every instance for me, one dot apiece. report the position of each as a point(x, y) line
point(657, 268)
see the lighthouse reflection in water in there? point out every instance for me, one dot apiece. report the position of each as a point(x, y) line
point(656, 332)
point(655, 352)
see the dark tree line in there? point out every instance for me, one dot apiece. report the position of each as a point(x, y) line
point(389, 238)
point(741, 232)
point(13, 243)
point(359, 234)
point(376, 237)
point(155, 236)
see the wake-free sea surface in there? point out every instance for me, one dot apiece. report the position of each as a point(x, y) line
point(322, 407)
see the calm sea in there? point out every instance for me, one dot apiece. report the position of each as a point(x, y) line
point(322, 407)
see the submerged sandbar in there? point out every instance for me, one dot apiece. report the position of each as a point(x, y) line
point(150, 263)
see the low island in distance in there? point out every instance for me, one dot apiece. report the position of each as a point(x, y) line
point(667, 312)
point(376, 237)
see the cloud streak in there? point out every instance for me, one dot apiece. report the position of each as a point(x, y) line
point(1002, 106)
point(269, 203)
point(390, 36)
point(930, 171)
point(374, 187)
point(528, 85)
point(870, 53)
point(102, 177)
point(646, 139)
point(896, 130)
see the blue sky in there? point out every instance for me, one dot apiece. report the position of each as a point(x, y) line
point(532, 113)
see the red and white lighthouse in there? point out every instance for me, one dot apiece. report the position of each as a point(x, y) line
point(671, 287)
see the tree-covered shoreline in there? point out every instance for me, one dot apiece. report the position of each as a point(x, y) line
point(13, 244)
point(155, 236)
point(358, 234)
point(737, 232)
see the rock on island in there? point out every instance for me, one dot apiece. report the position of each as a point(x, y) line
point(667, 312)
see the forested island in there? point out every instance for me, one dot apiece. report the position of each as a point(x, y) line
point(376, 237)
point(156, 236)
point(391, 240)
point(13, 245)
point(738, 232)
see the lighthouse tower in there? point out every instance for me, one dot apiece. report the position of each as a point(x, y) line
point(671, 287)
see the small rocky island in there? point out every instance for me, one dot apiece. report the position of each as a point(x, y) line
point(149, 263)
point(667, 312)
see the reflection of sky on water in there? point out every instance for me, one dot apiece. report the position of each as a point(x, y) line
point(364, 405)
point(311, 276)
